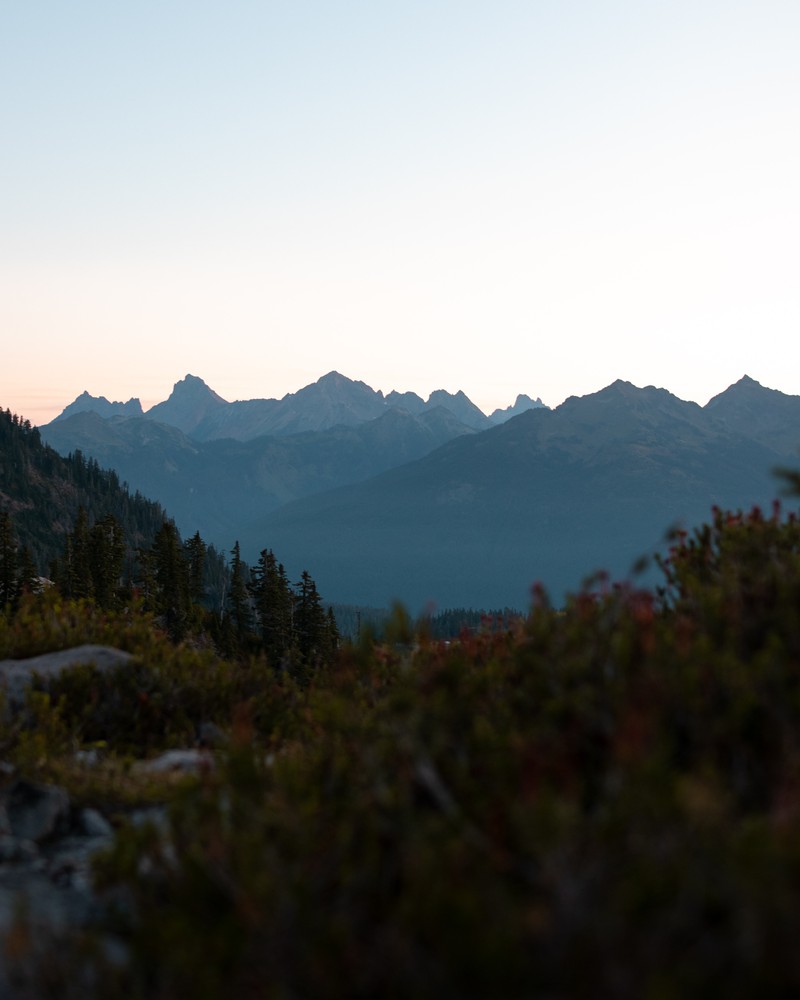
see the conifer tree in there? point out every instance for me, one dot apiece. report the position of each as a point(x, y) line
point(272, 597)
point(27, 573)
point(8, 562)
point(196, 550)
point(170, 580)
point(239, 609)
point(76, 575)
point(106, 558)
point(310, 621)
point(333, 637)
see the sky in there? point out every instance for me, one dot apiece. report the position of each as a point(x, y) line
point(539, 196)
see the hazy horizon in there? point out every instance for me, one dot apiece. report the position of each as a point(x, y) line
point(535, 198)
point(56, 409)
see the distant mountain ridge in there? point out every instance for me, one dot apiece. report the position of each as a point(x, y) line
point(221, 484)
point(415, 504)
point(86, 403)
point(333, 400)
point(548, 495)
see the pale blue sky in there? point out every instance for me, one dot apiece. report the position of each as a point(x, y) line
point(498, 197)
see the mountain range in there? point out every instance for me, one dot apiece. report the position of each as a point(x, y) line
point(224, 484)
point(394, 497)
point(331, 401)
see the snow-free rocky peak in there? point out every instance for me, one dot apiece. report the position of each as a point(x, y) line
point(190, 402)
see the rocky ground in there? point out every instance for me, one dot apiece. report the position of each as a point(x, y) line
point(47, 841)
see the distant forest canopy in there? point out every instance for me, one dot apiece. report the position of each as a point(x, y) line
point(356, 622)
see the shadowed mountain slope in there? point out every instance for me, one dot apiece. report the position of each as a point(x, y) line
point(549, 495)
point(766, 415)
point(216, 486)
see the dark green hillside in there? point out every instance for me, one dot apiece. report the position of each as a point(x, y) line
point(79, 524)
point(43, 491)
point(549, 495)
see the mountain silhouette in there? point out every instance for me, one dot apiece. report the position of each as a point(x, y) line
point(331, 401)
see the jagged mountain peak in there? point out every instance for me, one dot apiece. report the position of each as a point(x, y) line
point(197, 410)
point(335, 382)
point(461, 406)
point(195, 386)
point(623, 391)
point(409, 401)
point(189, 403)
point(87, 403)
point(745, 388)
point(522, 404)
point(335, 378)
point(766, 415)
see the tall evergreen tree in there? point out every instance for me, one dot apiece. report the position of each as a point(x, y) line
point(170, 595)
point(75, 578)
point(239, 610)
point(9, 589)
point(106, 559)
point(27, 574)
point(196, 551)
point(273, 599)
point(333, 637)
point(310, 621)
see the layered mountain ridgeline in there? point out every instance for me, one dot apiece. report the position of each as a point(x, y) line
point(332, 400)
point(43, 492)
point(217, 486)
point(381, 512)
point(549, 496)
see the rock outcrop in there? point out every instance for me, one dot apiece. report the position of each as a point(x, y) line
point(16, 676)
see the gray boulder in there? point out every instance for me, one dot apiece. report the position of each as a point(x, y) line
point(32, 811)
point(189, 761)
point(17, 675)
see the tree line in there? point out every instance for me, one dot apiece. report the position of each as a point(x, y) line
point(190, 588)
point(74, 524)
point(43, 491)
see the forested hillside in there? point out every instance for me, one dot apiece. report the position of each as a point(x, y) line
point(69, 519)
point(43, 491)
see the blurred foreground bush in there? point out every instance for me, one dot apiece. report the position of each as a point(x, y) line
point(604, 800)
